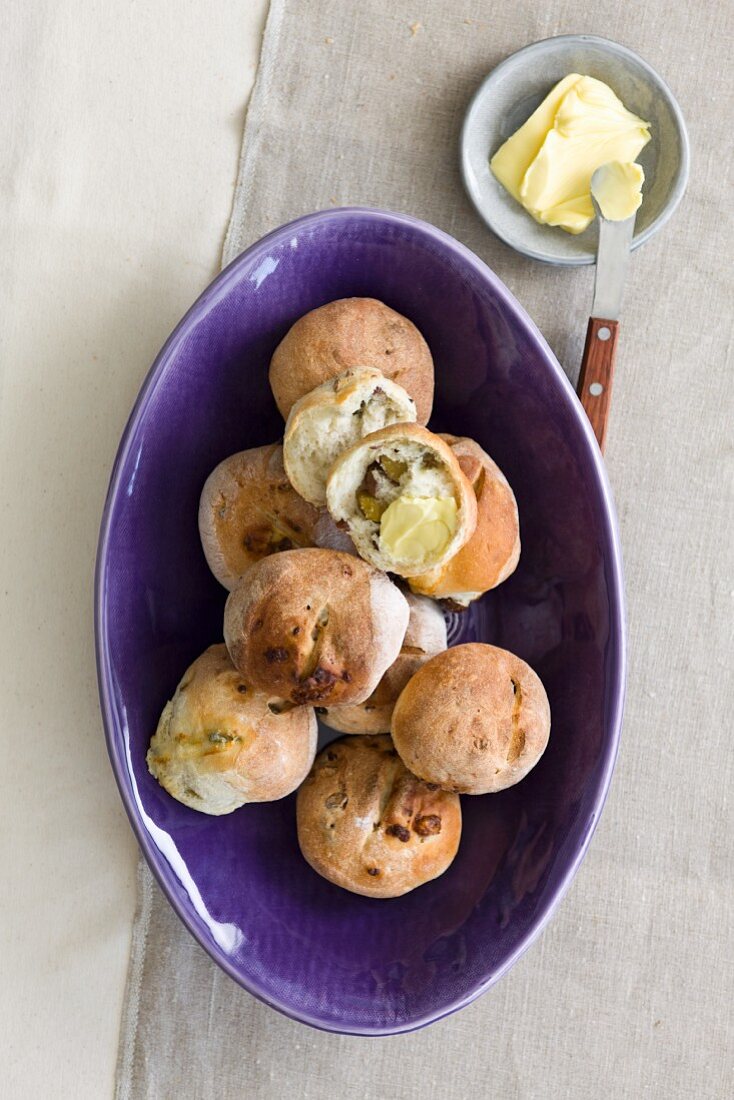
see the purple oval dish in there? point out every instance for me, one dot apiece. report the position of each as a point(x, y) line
point(320, 955)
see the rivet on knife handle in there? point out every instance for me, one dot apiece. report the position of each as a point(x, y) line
point(597, 373)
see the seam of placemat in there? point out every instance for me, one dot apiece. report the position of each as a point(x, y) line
point(232, 246)
point(131, 1006)
point(233, 241)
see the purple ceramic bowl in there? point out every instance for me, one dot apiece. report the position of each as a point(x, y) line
point(321, 955)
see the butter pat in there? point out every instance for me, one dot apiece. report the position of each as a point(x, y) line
point(618, 189)
point(416, 529)
point(511, 162)
point(548, 163)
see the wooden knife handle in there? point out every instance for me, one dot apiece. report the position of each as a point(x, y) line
point(597, 372)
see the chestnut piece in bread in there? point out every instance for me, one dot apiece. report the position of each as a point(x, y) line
point(474, 719)
point(331, 418)
point(220, 743)
point(407, 505)
point(328, 536)
point(366, 824)
point(249, 509)
point(315, 626)
point(493, 551)
point(351, 332)
point(424, 638)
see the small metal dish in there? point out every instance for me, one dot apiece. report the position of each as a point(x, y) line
point(511, 93)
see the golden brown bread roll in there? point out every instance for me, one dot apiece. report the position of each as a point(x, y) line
point(366, 824)
point(352, 332)
point(315, 626)
point(493, 551)
point(424, 638)
point(404, 498)
point(249, 509)
point(474, 719)
point(220, 743)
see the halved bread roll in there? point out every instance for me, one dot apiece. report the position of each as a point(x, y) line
point(315, 626)
point(220, 743)
point(351, 332)
point(475, 719)
point(366, 824)
point(424, 638)
point(407, 504)
point(248, 510)
point(334, 416)
point(493, 551)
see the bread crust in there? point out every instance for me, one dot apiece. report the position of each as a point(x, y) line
point(474, 719)
point(315, 626)
point(220, 743)
point(424, 638)
point(493, 551)
point(352, 332)
point(346, 476)
point(248, 510)
point(366, 824)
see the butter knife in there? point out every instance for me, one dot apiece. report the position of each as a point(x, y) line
point(597, 365)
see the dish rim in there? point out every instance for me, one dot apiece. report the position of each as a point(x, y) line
point(113, 729)
point(484, 210)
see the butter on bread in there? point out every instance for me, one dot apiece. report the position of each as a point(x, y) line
point(248, 510)
point(493, 551)
point(315, 626)
point(352, 332)
point(220, 743)
point(366, 824)
point(404, 498)
point(331, 418)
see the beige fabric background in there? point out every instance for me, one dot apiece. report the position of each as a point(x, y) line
point(120, 130)
point(629, 992)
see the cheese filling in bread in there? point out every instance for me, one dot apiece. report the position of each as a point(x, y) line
point(407, 505)
point(334, 416)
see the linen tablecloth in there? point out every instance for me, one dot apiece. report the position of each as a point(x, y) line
point(629, 992)
point(120, 129)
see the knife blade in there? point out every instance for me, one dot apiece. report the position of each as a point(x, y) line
point(615, 240)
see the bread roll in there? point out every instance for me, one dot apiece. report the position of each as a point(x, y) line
point(334, 416)
point(424, 638)
point(352, 332)
point(407, 505)
point(249, 509)
point(315, 626)
point(220, 743)
point(474, 719)
point(493, 551)
point(366, 824)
